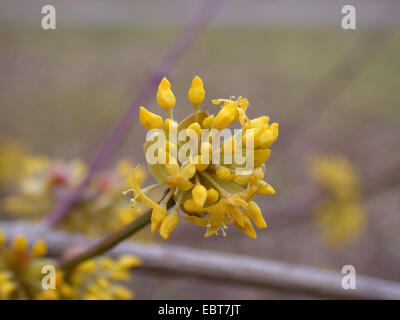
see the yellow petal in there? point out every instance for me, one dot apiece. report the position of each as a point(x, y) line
point(157, 217)
point(247, 227)
point(226, 116)
point(260, 156)
point(254, 213)
point(168, 225)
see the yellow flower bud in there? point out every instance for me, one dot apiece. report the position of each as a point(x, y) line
point(212, 195)
point(122, 293)
point(269, 136)
point(7, 289)
point(207, 122)
point(157, 217)
point(67, 291)
point(200, 165)
point(191, 207)
point(241, 179)
point(260, 156)
point(129, 261)
point(168, 225)
point(196, 127)
point(247, 227)
point(199, 194)
point(20, 243)
point(88, 266)
point(254, 134)
point(265, 188)
point(196, 92)
point(39, 249)
point(223, 174)
point(254, 213)
point(257, 122)
point(149, 120)
point(226, 116)
point(48, 295)
point(165, 96)
point(2, 238)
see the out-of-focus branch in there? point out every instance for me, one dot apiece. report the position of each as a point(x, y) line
point(176, 51)
point(228, 268)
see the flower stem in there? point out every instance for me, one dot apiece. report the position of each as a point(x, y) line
point(111, 240)
point(107, 242)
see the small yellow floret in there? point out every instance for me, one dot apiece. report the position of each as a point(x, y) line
point(254, 213)
point(226, 116)
point(196, 92)
point(165, 96)
point(224, 174)
point(20, 243)
point(191, 207)
point(212, 195)
point(129, 261)
point(122, 293)
point(199, 194)
point(149, 120)
point(7, 289)
point(157, 217)
point(207, 122)
point(39, 249)
point(196, 127)
point(2, 238)
point(168, 225)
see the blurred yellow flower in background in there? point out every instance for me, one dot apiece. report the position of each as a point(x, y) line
point(340, 216)
point(94, 279)
point(101, 206)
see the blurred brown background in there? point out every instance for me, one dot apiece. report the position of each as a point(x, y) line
point(331, 90)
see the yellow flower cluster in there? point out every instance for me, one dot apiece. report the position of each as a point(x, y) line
point(95, 279)
point(212, 194)
point(340, 216)
point(101, 206)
